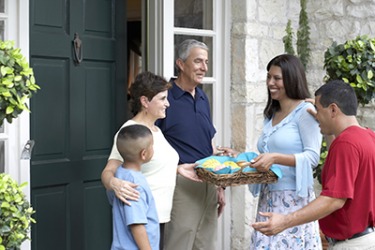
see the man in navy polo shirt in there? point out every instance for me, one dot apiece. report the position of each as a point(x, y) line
point(188, 128)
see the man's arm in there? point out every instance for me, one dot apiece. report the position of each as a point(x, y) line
point(317, 209)
point(140, 236)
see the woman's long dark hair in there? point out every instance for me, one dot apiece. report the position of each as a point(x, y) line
point(294, 78)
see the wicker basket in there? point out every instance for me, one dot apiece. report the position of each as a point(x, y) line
point(237, 178)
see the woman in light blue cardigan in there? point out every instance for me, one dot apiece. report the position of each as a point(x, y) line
point(290, 140)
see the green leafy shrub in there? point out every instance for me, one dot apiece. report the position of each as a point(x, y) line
point(323, 155)
point(17, 82)
point(15, 214)
point(354, 63)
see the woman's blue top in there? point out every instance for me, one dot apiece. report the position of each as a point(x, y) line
point(297, 134)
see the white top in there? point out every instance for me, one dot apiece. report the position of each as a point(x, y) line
point(160, 172)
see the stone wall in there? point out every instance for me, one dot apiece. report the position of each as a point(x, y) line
point(256, 37)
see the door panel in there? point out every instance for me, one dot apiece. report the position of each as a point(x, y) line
point(99, 96)
point(52, 226)
point(51, 145)
point(75, 115)
point(95, 228)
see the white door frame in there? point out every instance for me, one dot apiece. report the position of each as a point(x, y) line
point(17, 133)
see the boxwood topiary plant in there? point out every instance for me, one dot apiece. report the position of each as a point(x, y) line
point(15, 214)
point(354, 63)
point(17, 82)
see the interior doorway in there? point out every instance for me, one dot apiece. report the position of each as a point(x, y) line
point(134, 41)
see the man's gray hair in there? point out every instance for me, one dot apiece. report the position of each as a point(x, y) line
point(184, 48)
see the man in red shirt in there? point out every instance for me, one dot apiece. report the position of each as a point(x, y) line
point(346, 205)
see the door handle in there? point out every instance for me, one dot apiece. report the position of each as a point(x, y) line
point(27, 149)
point(77, 49)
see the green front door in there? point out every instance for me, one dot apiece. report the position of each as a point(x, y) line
point(74, 117)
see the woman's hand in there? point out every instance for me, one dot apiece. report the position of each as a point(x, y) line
point(262, 162)
point(309, 110)
point(124, 190)
point(187, 170)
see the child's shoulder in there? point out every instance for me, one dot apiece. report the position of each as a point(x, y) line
point(126, 174)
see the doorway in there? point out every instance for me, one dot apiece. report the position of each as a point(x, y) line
point(78, 53)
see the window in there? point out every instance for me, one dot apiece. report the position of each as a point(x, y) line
point(193, 20)
point(205, 21)
point(2, 26)
point(196, 14)
point(3, 17)
point(169, 22)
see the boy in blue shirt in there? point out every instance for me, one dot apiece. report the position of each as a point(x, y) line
point(135, 226)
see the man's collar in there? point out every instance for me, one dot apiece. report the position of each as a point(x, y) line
point(177, 92)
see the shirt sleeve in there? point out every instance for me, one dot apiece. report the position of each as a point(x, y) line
point(137, 212)
point(340, 172)
point(309, 158)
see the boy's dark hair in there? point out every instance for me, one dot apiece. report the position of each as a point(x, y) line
point(340, 93)
point(131, 140)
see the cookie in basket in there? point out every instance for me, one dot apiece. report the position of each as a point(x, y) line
point(233, 166)
point(211, 163)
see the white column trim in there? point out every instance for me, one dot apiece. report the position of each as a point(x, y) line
point(168, 39)
point(221, 110)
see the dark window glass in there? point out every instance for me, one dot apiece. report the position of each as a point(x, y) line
point(2, 6)
point(195, 14)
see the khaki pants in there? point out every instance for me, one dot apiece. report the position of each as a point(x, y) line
point(366, 242)
point(193, 224)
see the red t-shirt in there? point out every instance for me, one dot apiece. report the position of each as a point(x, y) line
point(349, 172)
